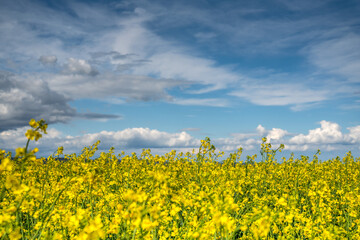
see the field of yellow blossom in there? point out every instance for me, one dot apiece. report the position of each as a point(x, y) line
point(176, 196)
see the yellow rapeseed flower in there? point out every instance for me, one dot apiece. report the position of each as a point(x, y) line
point(15, 234)
point(6, 165)
point(178, 195)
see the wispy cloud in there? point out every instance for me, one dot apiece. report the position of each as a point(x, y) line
point(175, 53)
point(98, 116)
point(127, 60)
point(211, 102)
point(303, 5)
point(190, 130)
point(295, 95)
point(166, 59)
point(107, 85)
point(338, 56)
point(192, 69)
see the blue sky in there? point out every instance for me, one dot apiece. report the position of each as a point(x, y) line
point(166, 74)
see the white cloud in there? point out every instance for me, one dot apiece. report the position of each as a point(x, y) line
point(295, 95)
point(13, 138)
point(353, 136)
point(329, 132)
point(190, 68)
point(79, 66)
point(111, 86)
point(131, 138)
point(150, 62)
point(326, 138)
point(22, 99)
point(166, 59)
point(252, 140)
point(260, 129)
point(276, 134)
point(28, 96)
point(141, 137)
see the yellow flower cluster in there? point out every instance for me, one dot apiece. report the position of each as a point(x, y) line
point(177, 196)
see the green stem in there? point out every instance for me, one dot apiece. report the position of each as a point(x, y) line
point(27, 145)
point(134, 233)
point(43, 225)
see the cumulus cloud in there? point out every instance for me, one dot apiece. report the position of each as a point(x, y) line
point(260, 129)
point(13, 138)
point(21, 100)
point(135, 138)
point(48, 60)
point(252, 140)
point(16, 138)
point(141, 137)
point(276, 134)
point(329, 132)
point(26, 97)
point(131, 138)
point(79, 66)
point(328, 137)
point(271, 135)
point(353, 136)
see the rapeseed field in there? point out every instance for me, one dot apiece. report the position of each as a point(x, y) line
point(176, 196)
